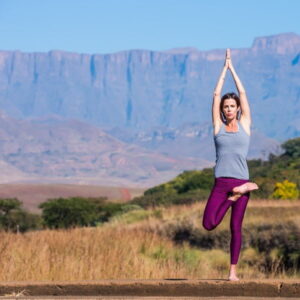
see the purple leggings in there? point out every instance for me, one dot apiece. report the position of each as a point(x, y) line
point(217, 206)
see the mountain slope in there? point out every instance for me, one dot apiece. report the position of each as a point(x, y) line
point(73, 151)
point(140, 89)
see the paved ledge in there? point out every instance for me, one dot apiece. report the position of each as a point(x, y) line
point(150, 287)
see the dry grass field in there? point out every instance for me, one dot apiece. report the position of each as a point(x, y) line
point(132, 246)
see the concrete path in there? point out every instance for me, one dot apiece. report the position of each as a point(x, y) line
point(138, 289)
point(143, 298)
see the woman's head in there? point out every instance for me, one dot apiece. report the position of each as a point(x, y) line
point(230, 107)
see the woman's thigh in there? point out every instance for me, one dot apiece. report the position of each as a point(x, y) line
point(218, 195)
point(221, 191)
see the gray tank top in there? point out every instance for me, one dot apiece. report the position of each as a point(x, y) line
point(231, 152)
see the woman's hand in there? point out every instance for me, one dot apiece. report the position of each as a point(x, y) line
point(227, 59)
point(230, 65)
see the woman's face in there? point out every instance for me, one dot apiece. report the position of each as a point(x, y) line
point(230, 109)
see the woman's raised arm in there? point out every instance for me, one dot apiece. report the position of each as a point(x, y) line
point(246, 114)
point(216, 118)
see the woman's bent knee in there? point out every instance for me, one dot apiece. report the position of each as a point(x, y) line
point(208, 226)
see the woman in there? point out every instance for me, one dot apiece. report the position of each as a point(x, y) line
point(231, 122)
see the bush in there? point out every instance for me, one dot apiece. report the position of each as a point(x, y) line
point(277, 244)
point(77, 211)
point(292, 147)
point(68, 212)
point(185, 182)
point(14, 218)
point(22, 221)
point(168, 199)
point(110, 209)
point(285, 190)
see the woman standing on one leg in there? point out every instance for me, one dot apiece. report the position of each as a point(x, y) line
point(231, 121)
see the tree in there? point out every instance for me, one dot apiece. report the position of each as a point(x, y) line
point(292, 147)
point(7, 204)
point(14, 218)
point(68, 212)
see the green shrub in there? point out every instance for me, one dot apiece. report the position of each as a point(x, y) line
point(292, 147)
point(68, 212)
point(278, 245)
point(21, 221)
point(165, 199)
point(14, 218)
point(185, 182)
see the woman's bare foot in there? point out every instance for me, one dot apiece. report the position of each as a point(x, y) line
point(245, 188)
point(232, 274)
point(234, 196)
point(238, 191)
point(233, 278)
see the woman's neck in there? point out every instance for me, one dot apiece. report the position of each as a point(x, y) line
point(231, 123)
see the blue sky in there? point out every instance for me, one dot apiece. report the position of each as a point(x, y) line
point(106, 26)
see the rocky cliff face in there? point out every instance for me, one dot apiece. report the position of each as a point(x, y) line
point(140, 89)
point(137, 117)
point(288, 43)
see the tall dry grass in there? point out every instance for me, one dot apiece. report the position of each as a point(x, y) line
point(94, 253)
point(129, 247)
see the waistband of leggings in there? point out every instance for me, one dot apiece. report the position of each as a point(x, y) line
point(231, 179)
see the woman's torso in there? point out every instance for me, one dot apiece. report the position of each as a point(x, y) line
point(231, 152)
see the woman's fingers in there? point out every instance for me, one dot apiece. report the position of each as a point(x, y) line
point(228, 53)
point(228, 56)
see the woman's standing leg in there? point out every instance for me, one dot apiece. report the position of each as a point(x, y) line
point(237, 215)
point(216, 208)
point(217, 204)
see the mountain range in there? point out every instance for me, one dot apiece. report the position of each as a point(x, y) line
point(137, 117)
